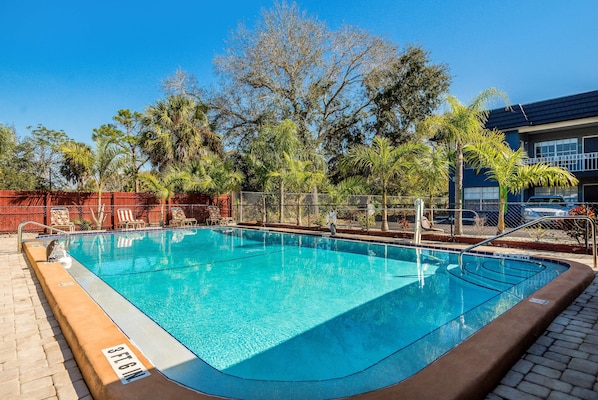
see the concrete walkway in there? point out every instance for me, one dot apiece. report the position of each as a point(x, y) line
point(36, 362)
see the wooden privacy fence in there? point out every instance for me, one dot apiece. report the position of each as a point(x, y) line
point(18, 206)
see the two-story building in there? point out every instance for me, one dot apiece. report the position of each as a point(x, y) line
point(561, 131)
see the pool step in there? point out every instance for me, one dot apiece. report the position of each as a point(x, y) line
point(489, 269)
point(494, 282)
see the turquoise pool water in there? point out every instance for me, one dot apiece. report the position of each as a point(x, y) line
point(312, 316)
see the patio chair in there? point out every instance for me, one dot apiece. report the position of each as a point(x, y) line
point(427, 226)
point(126, 219)
point(215, 218)
point(180, 219)
point(60, 219)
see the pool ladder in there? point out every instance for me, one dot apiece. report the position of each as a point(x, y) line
point(50, 228)
point(528, 224)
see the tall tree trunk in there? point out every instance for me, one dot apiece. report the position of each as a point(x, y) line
point(99, 217)
point(458, 191)
point(281, 202)
point(384, 227)
point(263, 210)
point(316, 201)
point(500, 226)
point(431, 205)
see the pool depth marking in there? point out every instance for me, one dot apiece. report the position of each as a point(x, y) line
point(539, 301)
point(125, 363)
point(512, 256)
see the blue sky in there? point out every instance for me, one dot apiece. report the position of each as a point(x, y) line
point(71, 65)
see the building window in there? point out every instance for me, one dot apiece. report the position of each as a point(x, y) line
point(568, 193)
point(480, 198)
point(554, 148)
point(561, 153)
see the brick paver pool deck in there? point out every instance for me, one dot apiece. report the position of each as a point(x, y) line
point(563, 363)
point(35, 359)
point(36, 362)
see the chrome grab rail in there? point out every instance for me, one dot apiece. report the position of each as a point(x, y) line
point(483, 242)
point(463, 210)
point(20, 234)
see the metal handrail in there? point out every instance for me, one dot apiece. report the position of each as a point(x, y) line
point(483, 242)
point(474, 212)
point(51, 228)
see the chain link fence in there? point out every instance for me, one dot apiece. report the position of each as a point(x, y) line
point(308, 209)
point(365, 213)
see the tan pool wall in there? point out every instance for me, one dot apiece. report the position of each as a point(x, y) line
point(470, 371)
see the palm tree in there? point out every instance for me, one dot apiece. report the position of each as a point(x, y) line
point(266, 155)
point(163, 186)
point(508, 169)
point(382, 162)
point(456, 128)
point(96, 168)
point(176, 130)
point(298, 176)
point(213, 175)
point(72, 168)
point(432, 170)
point(129, 139)
point(338, 194)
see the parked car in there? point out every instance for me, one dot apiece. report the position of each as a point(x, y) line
point(545, 206)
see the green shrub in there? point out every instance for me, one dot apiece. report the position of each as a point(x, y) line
point(83, 224)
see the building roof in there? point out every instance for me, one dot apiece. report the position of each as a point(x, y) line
point(578, 106)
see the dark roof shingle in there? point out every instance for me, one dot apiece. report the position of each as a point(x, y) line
point(566, 108)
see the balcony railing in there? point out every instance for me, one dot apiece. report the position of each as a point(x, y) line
point(572, 162)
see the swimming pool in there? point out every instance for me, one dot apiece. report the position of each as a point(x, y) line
point(297, 316)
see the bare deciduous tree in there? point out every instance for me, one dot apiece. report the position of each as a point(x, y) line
point(293, 66)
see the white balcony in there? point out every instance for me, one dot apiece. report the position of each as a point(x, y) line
point(572, 162)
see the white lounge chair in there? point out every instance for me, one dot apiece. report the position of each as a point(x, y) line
point(126, 219)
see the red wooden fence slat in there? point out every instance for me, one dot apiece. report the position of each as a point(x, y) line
point(17, 206)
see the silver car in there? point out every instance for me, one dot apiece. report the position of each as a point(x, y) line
point(545, 206)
